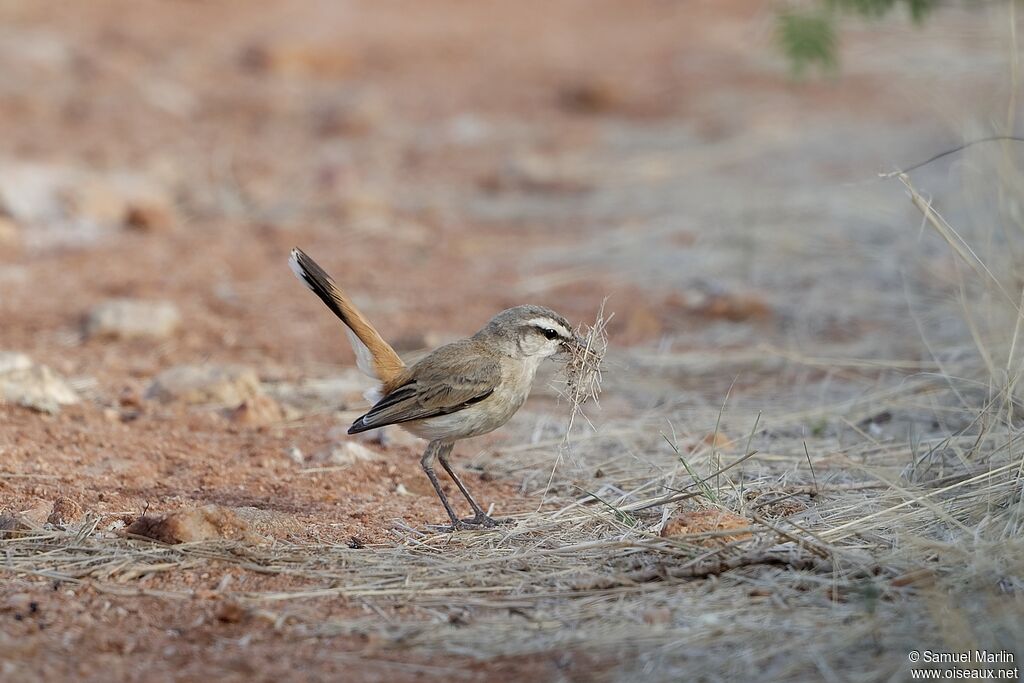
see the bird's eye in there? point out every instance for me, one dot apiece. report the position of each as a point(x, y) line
point(550, 334)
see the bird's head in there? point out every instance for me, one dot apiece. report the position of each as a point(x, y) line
point(529, 332)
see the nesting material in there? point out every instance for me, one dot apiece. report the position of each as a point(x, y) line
point(583, 365)
point(582, 381)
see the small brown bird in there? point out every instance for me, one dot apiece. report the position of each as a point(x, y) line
point(460, 390)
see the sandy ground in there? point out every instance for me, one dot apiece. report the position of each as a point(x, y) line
point(443, 161)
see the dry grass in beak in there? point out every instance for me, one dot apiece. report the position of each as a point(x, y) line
point(583, 361)
point(582, 378)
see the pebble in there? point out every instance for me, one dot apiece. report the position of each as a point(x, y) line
point(258, 410)
point(65, 511)
point(34, 386)
point(61, 204)
point(224, 385)
point(133, 318)
point(213, 522)
point(347, 453)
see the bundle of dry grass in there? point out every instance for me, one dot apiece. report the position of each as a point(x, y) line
point(581, 377)
point(582, 381)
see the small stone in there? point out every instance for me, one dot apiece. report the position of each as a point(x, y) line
point(690, 522)
point(33, 386)
point(10, 361)
point(133, 318)
point(30, 193)
point(65, 511)
point(591, 97)
point(57, 204)
point(148, 217)
point(46, 53)
point(347, 453)
point(224, 385)
point(258, 410)
point(339, 392)
point(295, 455)
point(145, 205)
point(231, 612)
point(129, 397)
point(36, 516)
point(207, 523)
point(215, 522)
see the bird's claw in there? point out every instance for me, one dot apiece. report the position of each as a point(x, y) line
point(476, 523)
point(480, 520)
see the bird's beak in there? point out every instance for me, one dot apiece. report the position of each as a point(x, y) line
point(576, 345)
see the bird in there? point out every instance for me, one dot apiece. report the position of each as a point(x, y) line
point(459, 390)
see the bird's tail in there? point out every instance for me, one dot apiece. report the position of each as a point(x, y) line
point(374, 356)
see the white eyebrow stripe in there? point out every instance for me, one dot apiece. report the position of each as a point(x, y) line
point(551, 324)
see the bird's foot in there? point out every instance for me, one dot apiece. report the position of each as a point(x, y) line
point(480, 521)
point(475, 523)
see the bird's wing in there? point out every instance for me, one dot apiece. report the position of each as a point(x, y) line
point(450, 379)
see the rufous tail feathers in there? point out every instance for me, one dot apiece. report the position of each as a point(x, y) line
point(374, 356)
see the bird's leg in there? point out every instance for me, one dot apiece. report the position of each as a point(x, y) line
point(427, 462)
point(480, 517)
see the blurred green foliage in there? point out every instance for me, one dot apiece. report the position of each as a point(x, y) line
point(809, 36)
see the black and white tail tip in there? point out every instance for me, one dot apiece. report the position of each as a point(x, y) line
point(295, 262)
